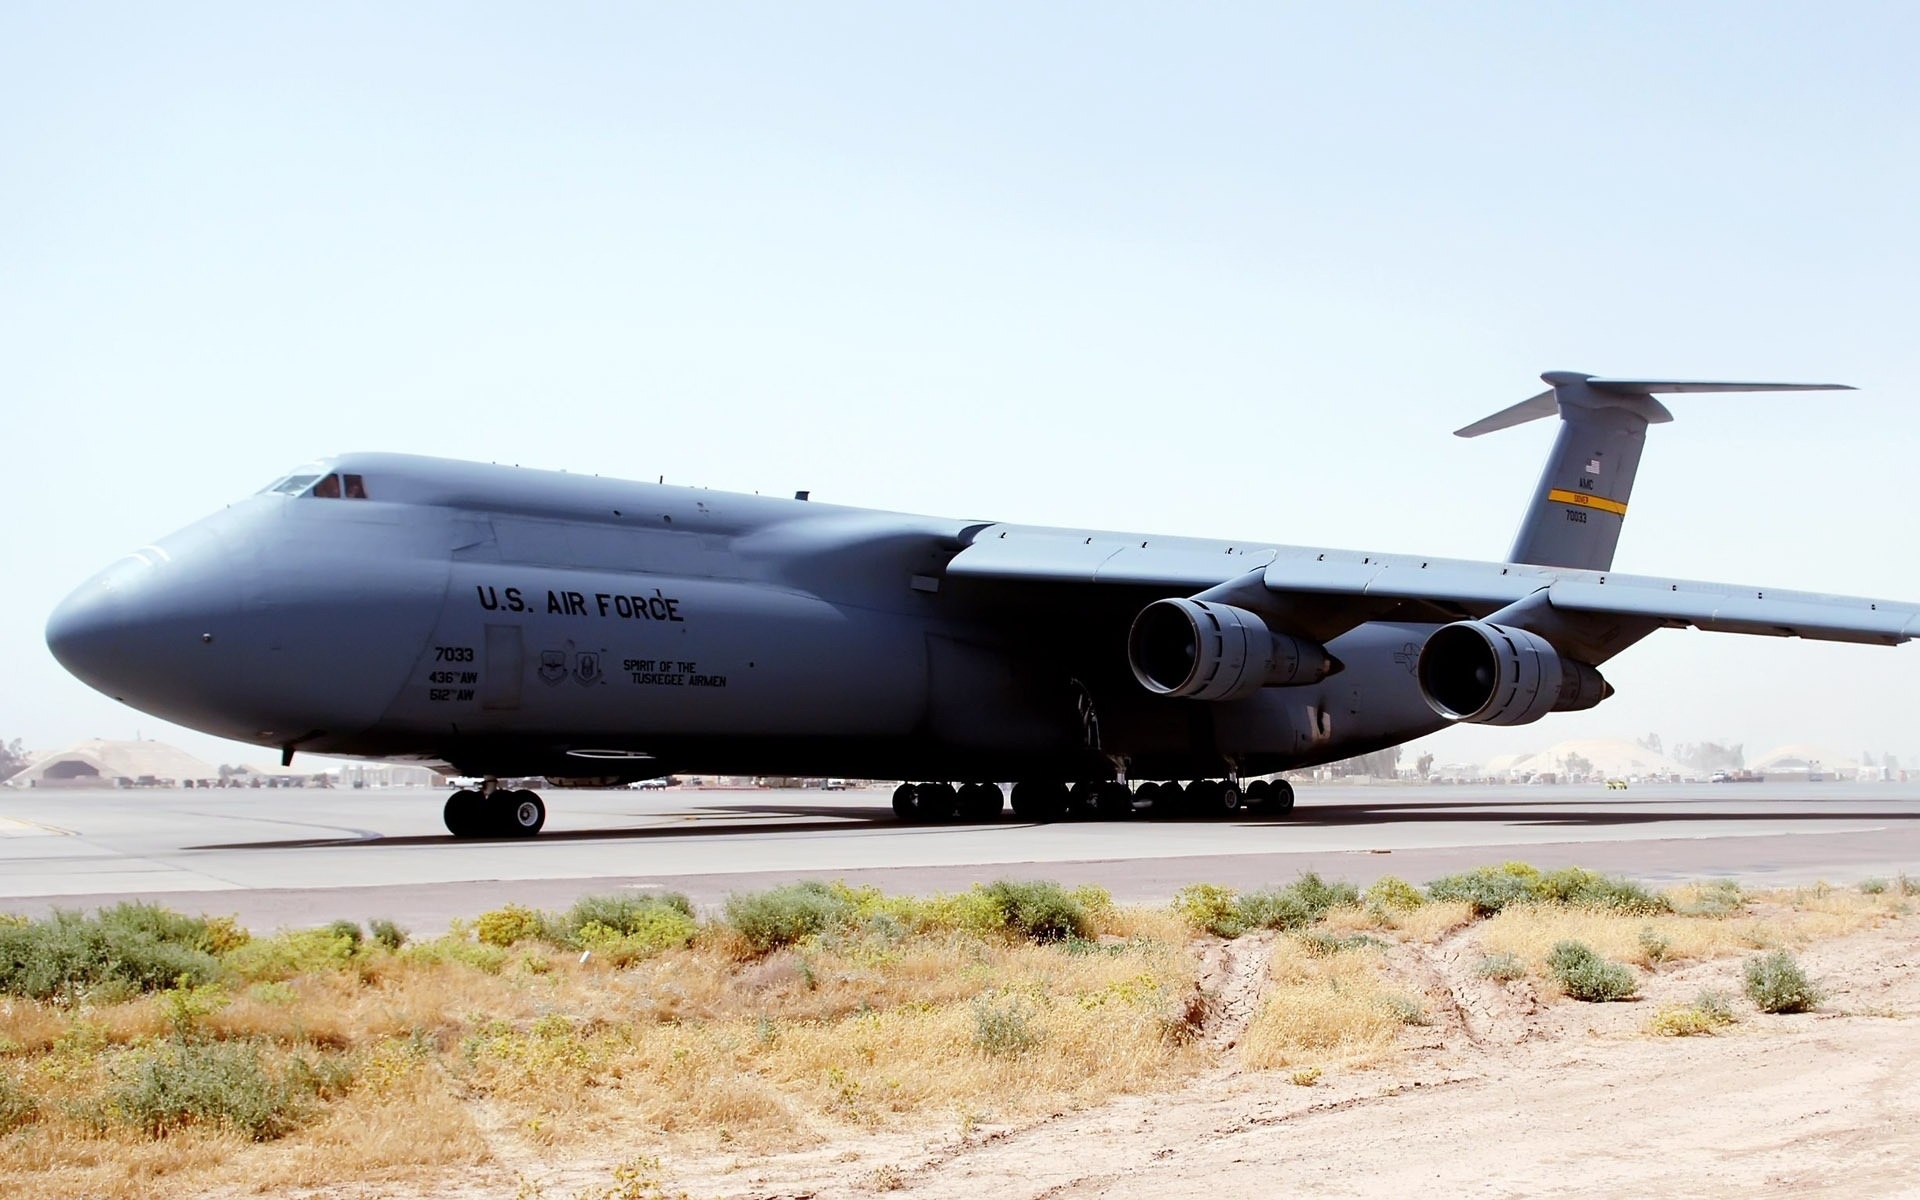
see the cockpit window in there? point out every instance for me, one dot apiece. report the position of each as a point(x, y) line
point(326, 487)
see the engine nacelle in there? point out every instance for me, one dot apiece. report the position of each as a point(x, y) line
point(1198, 650)
point(1486, 674)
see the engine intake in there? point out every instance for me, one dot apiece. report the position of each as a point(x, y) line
point(1199, 650)
point(1486, 674)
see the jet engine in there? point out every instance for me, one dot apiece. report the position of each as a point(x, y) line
point(1487, 674)
point(1199, 650)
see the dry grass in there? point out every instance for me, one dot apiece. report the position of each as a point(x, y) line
point(706, 1045)
point(907, 1011)
point(1767, 921)
point(1322, 1010)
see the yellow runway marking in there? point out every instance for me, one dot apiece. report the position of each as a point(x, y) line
point(10, 827)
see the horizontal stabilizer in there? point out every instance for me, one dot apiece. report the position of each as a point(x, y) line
point(1547, 403)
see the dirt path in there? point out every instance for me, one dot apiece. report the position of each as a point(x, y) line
point(1502, 1095)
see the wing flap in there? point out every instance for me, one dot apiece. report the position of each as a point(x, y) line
point(1725, 609)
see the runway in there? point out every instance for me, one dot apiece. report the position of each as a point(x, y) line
point(301, 857)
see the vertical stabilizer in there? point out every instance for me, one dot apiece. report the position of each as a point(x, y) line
point(1576, 512)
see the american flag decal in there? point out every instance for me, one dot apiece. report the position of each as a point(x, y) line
point(1593, 466)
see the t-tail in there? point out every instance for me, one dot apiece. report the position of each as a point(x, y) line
point(1575, 517)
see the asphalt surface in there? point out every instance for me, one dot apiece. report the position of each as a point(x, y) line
point(302, 857)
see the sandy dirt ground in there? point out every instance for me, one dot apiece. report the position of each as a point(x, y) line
point(1503, 1095)
point(1506, 1093)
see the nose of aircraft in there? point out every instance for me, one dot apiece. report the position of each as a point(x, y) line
point(148, 629)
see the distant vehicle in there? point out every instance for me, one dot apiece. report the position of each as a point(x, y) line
point(1719, 777)
point(834, 785)
point(497, 623)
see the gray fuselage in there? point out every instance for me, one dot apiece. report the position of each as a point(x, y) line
point(516, 622)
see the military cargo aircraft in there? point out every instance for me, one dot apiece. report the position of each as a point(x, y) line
point(505, 623)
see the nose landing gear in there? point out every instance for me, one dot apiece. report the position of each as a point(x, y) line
point(494, 811)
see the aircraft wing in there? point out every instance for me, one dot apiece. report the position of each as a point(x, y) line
point(1323, 593)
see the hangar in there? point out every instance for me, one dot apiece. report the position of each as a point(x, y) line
point(103, 764)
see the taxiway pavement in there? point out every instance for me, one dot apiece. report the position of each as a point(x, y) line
point(301, 857)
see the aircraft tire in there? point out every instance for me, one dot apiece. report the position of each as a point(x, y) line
point(521, 813)
point(1113, 802)
point(463, 814)
point(1230, 798)
point(1040, 802)
point(1172, 800)
point(981, 802)
point(1202, 796)
point(906, 802)
point(936, 801)
point(1282, 799)
point(1080, 802)
point(1258, 794)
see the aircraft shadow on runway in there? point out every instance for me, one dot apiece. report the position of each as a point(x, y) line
point(809, 819)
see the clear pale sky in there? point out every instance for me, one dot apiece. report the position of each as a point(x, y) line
point(1229, 270)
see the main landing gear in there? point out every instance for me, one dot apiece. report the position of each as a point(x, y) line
point(494, 811)
point(1041, 801)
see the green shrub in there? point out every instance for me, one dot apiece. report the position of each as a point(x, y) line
point(1490, 889)
point(290, 953)
point(503, 927)
point(451, 949)
point(1390, 893)
point(184, 1084)
point(1487, 890)
point(1873, 886)
point(1717, 898)
point(644, 935)
point(1210, 908)
point(1906, 884)
point(1582, 888)
point(1405, 1009)
point(1296, 905)
point(1326, 945)
point(387, 933)
point(1003, 1027)
point(1587, 976)
point(626, 912)
point(324, 1076)
point(1709, 1013)
point(784, 915)
point(1655, 944)
point(16, 1106)
point(1039, 909)
point(1501, 968)
point(126, 949)
point(1776, 984)
point(1715, 1005)
point(349, 930)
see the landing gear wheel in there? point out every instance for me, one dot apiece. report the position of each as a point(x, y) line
point(1080, 802)
point(521, 813)
point(980, 802)
point(1112, 802)
point(1173, 799)
point(1149, 795)
point(906, 802)
point(1259, 793)
point(1039, 802)
point(1229, 798)
point(937, 801)
point(1282, 799)
point(464, 814)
